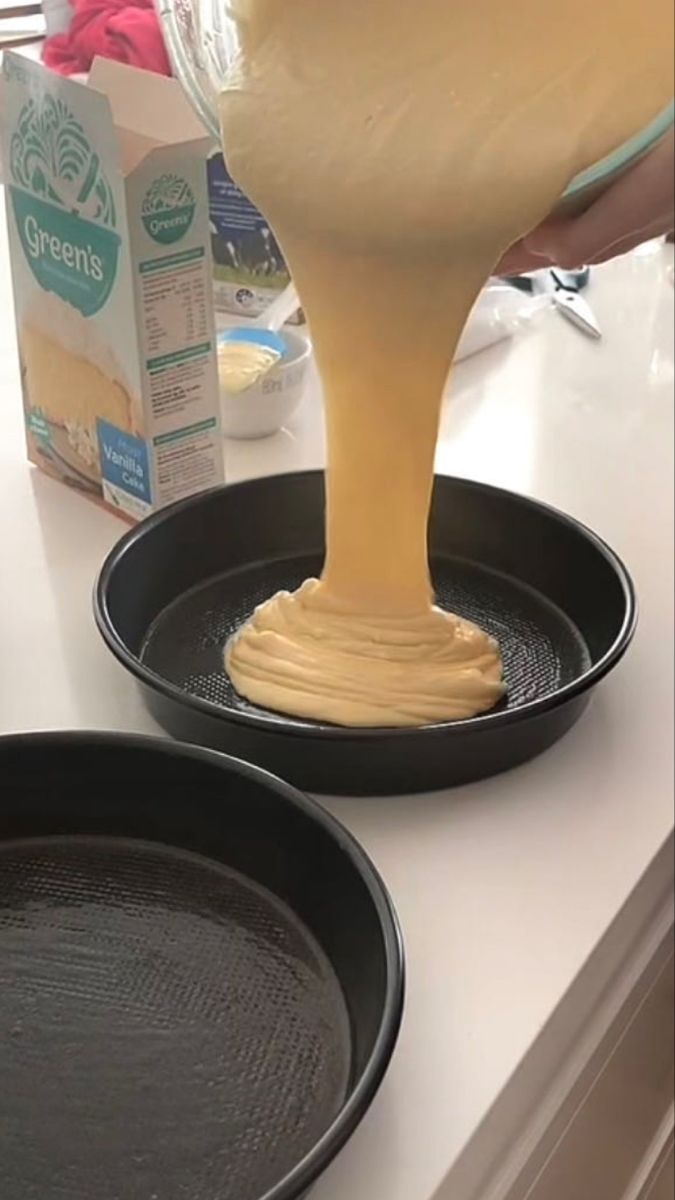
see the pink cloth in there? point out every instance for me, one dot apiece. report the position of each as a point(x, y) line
point(125, 30)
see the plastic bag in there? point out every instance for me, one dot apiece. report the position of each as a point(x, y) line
point(500, 312)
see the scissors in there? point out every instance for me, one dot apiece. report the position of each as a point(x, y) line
point(565, 289)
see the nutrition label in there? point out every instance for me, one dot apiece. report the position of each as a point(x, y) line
point(175, 301)
point(181, 382)
point(178, 338)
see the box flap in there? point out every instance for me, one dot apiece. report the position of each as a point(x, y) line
point(147, 104)
point(135, 148)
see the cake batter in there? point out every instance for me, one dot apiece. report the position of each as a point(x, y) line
point(398, 151)
point(243, 364)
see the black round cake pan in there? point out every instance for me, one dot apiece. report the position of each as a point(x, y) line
point(175, 588)
point(201, 975)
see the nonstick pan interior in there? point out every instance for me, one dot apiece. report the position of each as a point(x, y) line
point(200, 976)
point(559, 601)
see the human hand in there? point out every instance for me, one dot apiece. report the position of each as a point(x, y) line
point(640, 205)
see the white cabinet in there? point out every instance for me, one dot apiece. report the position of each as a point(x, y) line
point(618, 1142)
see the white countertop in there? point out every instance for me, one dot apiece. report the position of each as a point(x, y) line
point(504, 888)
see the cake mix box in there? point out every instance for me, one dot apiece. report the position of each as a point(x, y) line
point(249, 269)
point(107, 209)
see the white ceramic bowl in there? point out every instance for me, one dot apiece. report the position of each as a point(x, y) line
point(266, 407)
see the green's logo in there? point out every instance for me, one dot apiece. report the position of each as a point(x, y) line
point(168, 209)
point(63, 205)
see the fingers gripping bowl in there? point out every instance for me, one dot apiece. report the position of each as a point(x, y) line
point(557, 598)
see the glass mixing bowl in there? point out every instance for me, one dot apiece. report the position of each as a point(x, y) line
point(203, 42)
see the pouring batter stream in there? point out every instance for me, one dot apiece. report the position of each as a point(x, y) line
point(398, 150)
